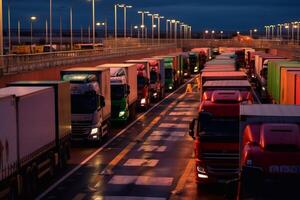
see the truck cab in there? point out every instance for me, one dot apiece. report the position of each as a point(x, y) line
point(90, 102)
point(143, 81)
point(124, 95)
point(194, 62)
point(270, 151)
point(215, 131)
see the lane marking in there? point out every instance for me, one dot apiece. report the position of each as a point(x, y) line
point(108, 143)
point(182, 113)
point(141, 180)
point(79, 196)
point(127, 198)
point(152, 148)
point(141, 163)
point(169, 133)
point(162, 138)
point(173, 125)
point(182, 180)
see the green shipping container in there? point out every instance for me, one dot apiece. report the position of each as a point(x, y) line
point(274, 76)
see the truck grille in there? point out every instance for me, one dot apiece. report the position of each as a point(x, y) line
point(221, 164)
point(81, 128)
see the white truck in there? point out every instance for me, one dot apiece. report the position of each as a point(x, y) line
point(90, 103)
point(27, 139)
point(123, 79)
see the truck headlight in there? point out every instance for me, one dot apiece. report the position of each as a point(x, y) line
point(155, 94)
point(185, 74)
point(94, 131)
point(263, 88)
point(122, 113)
point(170, 87)
point(143, 101)
point(201, 170)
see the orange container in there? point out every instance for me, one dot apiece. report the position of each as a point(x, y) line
point(285, 90)
point(292, 88)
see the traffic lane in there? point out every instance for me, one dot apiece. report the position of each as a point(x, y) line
point(116, 146)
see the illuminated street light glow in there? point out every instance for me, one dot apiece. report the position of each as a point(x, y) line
point(33, 18)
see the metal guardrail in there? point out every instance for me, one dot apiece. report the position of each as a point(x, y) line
point(13, 64)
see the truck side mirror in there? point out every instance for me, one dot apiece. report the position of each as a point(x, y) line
point(102, 101)
point(204, 119)
point(192, 128)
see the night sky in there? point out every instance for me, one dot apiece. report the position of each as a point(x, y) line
point(210, 14)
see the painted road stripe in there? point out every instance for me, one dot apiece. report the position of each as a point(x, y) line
point(182, 181)
point(181, 119)
point(151, 148)
point(127, 198)
point(79, 196)
point(141, 163)
point(53, 186)
point(162, 138)
point(182, 113)
point(173, 125)
point(141, 180)
point(169, 133)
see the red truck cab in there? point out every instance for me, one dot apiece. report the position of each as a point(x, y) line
point(270, 150)
point(216, 131)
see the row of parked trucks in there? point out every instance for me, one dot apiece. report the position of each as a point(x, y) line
point(40, 118)
point(239, 141)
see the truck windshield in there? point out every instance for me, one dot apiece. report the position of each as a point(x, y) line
point(118, 92)
point(221, 126)
point(169, 74)
point(153, 77)
point(84, 104)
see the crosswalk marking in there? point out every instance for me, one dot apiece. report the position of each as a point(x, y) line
point(162, 138)
point(141, 180)
point(141, 162)
point(152, 148)
point(173, 125)
point(181, 113)
point(168, 133)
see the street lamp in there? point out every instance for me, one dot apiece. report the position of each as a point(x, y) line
point(212, 34)
point(287, 26)
point(124, 6)
point(32, 19)
point(167, 28)
point(137, 28)
point(158, 17)
point(221, 32)
point(143, 21)
point(152, 24)
point(206, 32)
point(99, 24)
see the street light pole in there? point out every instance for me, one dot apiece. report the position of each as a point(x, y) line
point(46, 32)
point(19, 32)
point(32, 19)
point(9, 29)
point(50, 28)
point(1, 30)
point(94, 23)
point(116, 21)
point(143, 21)
point(71, 27)
point(167, 28)
point(60, 32)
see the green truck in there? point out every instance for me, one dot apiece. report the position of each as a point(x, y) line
point(124, 95)
point(274, 77)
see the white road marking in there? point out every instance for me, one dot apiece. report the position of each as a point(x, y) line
point(151, 148)
point(107, 143)
point(169, 133)
point(161, 138)
point(182, 113)
point(141, 163)
point(173, 125)
point(126, 198)
point(141, 180)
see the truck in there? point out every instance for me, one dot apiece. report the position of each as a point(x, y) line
point(90, 103)
point(290, 86)
point(171, 79)
point(274, 77)
point(179, 62)
point(62, 99)
point(143, 81)
point(261, 72)
point(216, 130)
point(28, 140)
point(124, 95)
point(186, 65)
point(157, 78)
point(270, 151)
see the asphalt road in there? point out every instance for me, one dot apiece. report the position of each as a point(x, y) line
point(151, 159)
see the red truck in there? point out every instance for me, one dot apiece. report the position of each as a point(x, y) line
point(216, 130)
point(270, 151)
